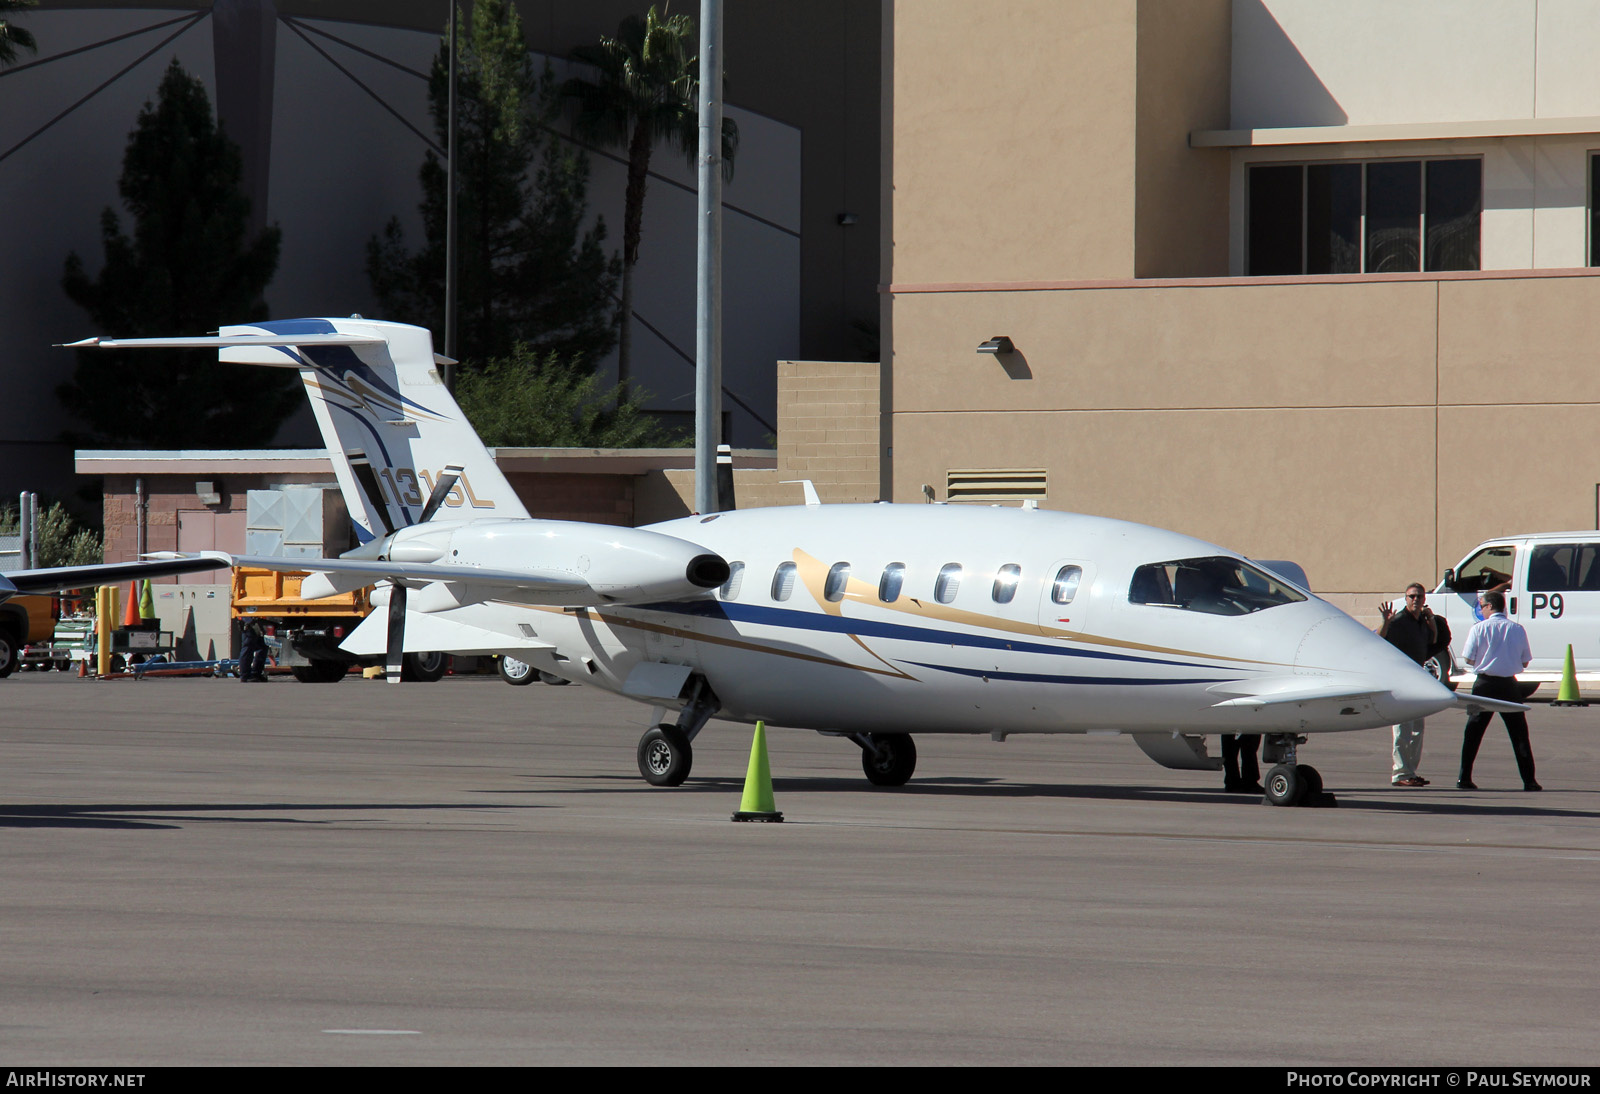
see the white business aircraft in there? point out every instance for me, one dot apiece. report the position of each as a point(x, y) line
point(871, 622)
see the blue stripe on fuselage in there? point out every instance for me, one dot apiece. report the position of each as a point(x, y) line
point(1047, 678)
point(816, 621)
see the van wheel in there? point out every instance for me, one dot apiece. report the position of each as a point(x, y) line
point(424, 668)
point(516, 673)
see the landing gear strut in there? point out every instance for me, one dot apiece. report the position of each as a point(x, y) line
point(1289, 783)
point(664, 753)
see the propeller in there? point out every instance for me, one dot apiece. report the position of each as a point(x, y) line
point(394, 659)
point(441, 489)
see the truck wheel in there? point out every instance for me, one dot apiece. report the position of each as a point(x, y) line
point(8, 652)
point(320, 672)
point(424, 668)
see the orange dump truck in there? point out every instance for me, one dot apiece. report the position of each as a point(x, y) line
point(308, 632)
point(25, 620)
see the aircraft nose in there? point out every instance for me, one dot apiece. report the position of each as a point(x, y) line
point(1339, 645)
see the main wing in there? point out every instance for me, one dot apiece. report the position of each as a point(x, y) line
point(438, 586)
point(58, 579)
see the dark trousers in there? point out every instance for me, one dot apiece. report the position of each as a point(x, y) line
point(1239, 759)
point(1498, 687)
point(252, 656)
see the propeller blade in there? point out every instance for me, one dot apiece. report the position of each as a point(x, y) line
point(441, 490)
point(397, 634)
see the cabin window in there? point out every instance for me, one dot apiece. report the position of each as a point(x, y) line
point(1065, 586)
point(1005, 583)
point(838, 578)
point(948, 583)
point(730, 588)
point(783, 581)
point(1213, 586)
point(894, 576)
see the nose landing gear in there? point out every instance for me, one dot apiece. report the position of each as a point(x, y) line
point(1289, 783)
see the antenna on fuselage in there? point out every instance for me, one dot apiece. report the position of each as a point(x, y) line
point(807, 486)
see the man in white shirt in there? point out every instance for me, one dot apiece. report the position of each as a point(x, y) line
point(1497, 649)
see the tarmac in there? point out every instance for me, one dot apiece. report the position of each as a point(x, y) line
point(197, 871)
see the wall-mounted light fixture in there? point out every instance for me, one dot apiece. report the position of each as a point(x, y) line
point(210, 492)
point(998, 344)
point(847, 219)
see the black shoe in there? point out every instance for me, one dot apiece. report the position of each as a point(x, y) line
point(1466, 784)
point(1531, 786)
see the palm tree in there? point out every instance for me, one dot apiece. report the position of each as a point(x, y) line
point(647, 91)
point(13, 37)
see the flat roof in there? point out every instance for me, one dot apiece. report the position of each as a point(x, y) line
point(199, 461)
point(576, 461)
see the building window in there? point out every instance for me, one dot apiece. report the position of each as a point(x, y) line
point(1594, 208)
point(1387, 216)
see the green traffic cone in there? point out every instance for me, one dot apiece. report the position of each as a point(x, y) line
point(147, 601)
point(1569, 696)
point(757, 804)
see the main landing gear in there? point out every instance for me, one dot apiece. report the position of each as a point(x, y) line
point(888, 759)
point(1289, 783)
point(664, 753)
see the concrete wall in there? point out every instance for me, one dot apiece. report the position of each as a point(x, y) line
point(1013, 134)
point(1371, 429)
point(1181, 193)
point(1374, 62)
point(828, 427)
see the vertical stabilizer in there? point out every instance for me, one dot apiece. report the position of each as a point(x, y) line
point(390, 426)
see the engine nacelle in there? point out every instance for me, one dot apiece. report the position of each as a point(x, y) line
point(620, 565)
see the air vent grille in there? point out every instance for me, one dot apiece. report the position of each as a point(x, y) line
point(996, 484)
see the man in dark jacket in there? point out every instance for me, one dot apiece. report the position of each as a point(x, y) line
point(1419, 634)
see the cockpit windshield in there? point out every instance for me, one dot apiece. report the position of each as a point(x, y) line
point(1214, 586)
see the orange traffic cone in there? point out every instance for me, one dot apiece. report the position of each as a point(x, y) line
point(130, 614)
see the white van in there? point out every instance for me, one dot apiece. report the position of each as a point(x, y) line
point(1553, 591)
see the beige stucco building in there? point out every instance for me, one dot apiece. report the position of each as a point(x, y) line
point(1366, 360)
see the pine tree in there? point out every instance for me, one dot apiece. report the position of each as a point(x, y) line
point(528, 271)
point(187, 269)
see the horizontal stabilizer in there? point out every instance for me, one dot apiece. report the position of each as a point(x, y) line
point(1477, 704)
point(425, 633)
point(225, 341)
